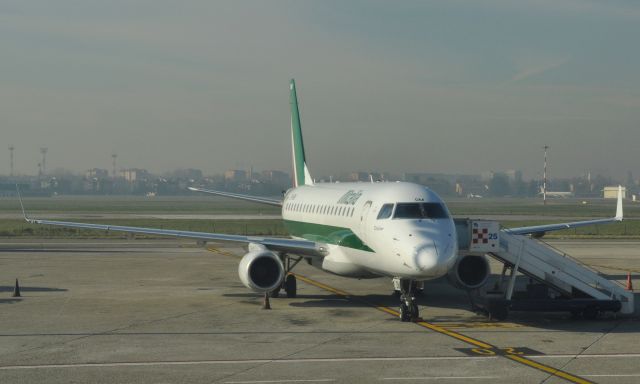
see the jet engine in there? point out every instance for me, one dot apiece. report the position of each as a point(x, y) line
point(469, 272)
point(261, 270)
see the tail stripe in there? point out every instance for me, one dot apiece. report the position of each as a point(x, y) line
point(300, 170)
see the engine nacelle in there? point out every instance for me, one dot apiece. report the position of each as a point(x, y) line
point(470, 272)
point(261, 270)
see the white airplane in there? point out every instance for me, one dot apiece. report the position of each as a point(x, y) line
point(398, 230)
point(561, 194)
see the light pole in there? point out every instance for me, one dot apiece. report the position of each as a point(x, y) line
point(544, 181)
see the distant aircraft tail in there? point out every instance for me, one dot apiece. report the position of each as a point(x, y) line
point(301, 175)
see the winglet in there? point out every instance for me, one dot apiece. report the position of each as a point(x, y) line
point(619, 213)
point(24, 213)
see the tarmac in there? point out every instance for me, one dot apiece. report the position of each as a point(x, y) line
point(167, 311)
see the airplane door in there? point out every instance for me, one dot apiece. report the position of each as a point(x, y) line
point(364, 219)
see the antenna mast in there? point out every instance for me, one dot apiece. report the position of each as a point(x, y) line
point(11, 148)
point(114, 157)
point(544, 182)
point(43, 151)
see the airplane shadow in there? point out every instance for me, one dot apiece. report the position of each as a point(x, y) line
point(64, 250)
point(9, 301)
point(440, 294)
point(283, 296)
point(9, 288)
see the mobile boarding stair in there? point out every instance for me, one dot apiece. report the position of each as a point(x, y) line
point(563, 283)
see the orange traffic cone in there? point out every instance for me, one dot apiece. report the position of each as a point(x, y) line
point(629, 282)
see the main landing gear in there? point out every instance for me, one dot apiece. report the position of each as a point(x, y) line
point(408, 308)
point(289, 284)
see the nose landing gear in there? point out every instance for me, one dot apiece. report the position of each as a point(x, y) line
point(408, 308)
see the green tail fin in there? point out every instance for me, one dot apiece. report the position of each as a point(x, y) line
point(300, 170)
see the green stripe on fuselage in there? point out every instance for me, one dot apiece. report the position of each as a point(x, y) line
point(343, 237)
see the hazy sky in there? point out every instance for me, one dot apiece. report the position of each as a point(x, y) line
point(433, 86)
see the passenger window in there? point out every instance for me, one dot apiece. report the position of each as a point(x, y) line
point(385, 211)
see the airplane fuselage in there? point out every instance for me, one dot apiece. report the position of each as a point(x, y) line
point(391, 229)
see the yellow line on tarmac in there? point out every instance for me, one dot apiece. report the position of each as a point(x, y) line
point(323, 286)
point(393, 312)
point(477, 324)
point(469, 340)
point(548, 369)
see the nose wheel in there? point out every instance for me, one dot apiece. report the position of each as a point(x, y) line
point(409, 312)
point(408, 308)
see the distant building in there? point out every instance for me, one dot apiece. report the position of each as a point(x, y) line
point(359, 176)
point(427, 178)
point(486, 175)
point(235, 175)
point(134, 174)
point(276, 177)
point(188, 174)
point(612, 192)
point(96, 173)
point(513, 175)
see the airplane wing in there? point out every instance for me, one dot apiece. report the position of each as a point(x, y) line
point(298, 247)
point(542, 229)
point(255, 199)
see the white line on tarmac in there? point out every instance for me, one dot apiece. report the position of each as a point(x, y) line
point(281, 381)
point(442, 378)
point(256, 361)
point(298, 361)
point(598, 356)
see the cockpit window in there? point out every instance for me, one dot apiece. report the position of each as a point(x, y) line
point(420, 211)
point(385, 211)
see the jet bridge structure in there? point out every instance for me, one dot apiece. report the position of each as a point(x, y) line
point(561, 282)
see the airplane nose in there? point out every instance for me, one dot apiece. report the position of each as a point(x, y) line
point(426, 256)
point(434, 256)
